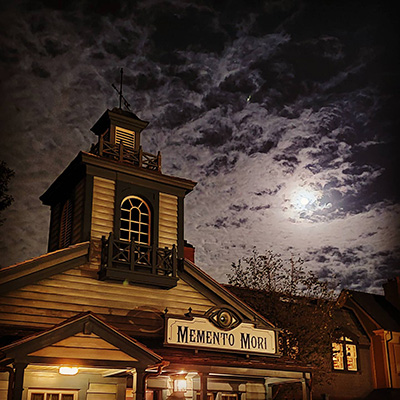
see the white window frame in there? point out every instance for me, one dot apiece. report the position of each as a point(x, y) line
point(74, 392)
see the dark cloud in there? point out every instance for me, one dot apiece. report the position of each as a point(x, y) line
point(189, 28)
point(39, 70)
point(217, 136)
point(264, 103)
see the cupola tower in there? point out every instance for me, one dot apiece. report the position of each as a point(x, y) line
point(117, 197)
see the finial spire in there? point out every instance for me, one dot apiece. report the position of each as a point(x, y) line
point(121, 97)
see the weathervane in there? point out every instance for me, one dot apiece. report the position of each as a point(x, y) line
point(121, 97)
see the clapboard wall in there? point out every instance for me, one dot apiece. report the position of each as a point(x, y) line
point(136, 310)
point(168, 221)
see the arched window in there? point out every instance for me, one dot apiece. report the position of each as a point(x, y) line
point(344, 354)
point(135, 220)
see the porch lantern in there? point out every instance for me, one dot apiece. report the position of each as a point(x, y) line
point(179, 382)
point(68, 370)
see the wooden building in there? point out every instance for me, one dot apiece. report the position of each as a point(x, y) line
point(114, 310)
point(379, 317)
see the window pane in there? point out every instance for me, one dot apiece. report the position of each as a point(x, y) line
point(144, 239)
point(124, 214)
point(135, 214)
point(124, 224)
point(337, 356)
point(351, 357)
point(67, 397)
point(124, 235)
point(37, 396)
point(52, 396)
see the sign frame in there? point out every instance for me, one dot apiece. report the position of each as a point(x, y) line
point(209, 333)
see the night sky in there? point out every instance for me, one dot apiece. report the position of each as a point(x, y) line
point(286, 113)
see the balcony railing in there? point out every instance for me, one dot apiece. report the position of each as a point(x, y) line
point(122, 260)
point(119, 152)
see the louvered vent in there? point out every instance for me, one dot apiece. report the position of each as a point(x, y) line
point(126, 136)
point(66, 225)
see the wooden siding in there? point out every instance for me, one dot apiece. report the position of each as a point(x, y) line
point(82, 346)
point(77, 218)
point(102, 207)
point(133, 309)
point(168, 221)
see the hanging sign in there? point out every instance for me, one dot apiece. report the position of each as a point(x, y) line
point(200, 332)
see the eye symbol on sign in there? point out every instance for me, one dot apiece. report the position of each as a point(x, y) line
point(224, 319)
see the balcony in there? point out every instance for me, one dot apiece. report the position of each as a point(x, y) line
point(137, 263)
point(121, 153)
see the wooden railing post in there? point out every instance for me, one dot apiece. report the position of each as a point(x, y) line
point(121, 151)
point(174, 262)
point(140, 155)
point(103, 256)
point(132, 255)
point(159, 161)
point(110, 250)
point(101, 145)
point(154, 260)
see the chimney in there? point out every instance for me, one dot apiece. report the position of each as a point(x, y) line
point(189, 252)
point(392, 291)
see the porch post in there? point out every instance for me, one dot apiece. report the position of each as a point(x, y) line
point(19, 380)
point(140, 384)
point(305, 389)
point(268, 390)
point(203, 387)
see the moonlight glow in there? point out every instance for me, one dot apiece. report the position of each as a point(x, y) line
point(285, 114)
point(304, 199)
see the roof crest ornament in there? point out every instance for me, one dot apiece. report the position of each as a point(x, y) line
point(121, 97)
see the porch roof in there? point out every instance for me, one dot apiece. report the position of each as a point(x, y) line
point(84, 340)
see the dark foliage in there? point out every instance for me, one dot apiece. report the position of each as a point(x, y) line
point(5, 176)
point(295, 301)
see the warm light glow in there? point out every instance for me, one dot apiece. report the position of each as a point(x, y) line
point(180, 385)
point(68, 370)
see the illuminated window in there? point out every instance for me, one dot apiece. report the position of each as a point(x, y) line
point(344, 354)
point(229, 396)
point(47, 394)
point(135, 220)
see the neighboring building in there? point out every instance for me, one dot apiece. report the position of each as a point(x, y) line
point(113, 310)
point(365, 338)
point(379, 315)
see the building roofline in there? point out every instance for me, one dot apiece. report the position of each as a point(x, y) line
point(26, 272)
point(217, 293)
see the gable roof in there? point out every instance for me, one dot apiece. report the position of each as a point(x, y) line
point(88, 332)
point(381, 311)
point(216, 292)
point(26, 272)
point(31, 271)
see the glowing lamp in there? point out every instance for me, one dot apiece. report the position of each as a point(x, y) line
point(180, 382)
point(68, 370)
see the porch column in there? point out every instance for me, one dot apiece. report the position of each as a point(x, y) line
point(203, 387)
point(19, 380)
point(305, 389)
point(268, 390)
point(140, 384)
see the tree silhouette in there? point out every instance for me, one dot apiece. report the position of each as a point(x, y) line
point(5, 199)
